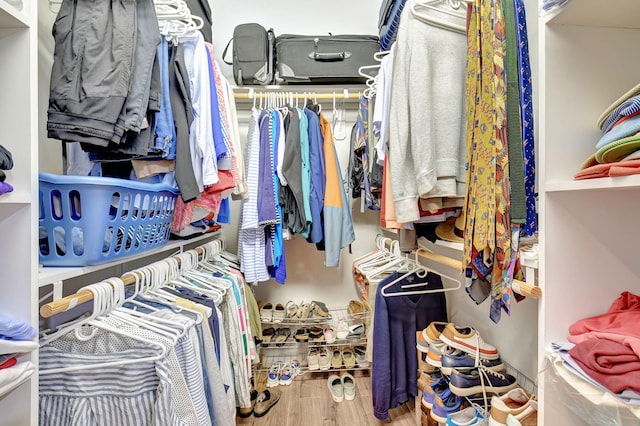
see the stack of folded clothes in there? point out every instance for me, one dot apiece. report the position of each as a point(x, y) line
point(618, 149)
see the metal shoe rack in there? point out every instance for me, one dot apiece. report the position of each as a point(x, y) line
point(272, 353)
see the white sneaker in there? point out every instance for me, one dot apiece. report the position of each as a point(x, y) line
point(312, 359)
point(468, 339)
point(335, 387)
point(348, 386)
point(273, 378)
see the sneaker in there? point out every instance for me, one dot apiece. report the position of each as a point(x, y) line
point(348, 386)
point(433, 331)
point(245, 412)
point(296, 368)
point(286, 375)
point(273, 377)
point(436, 351)
point(467, 417)
point(422, 344)
point(324, 359)
point(335, 387)
point(431, 391)
point(446, 404)
point(266, 400)
point(530, 419)
point(427, 379)
point(516, 402)
point(480, 380)
point(312, 359)
point(462, 361)
point(468, 340)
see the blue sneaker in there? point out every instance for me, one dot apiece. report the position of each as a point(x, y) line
point(462, 361)
point(467, 417)
point(480, 380)
point(446, 404)
point(432, 390)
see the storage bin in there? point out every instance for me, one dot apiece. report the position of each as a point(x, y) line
point(92, 220)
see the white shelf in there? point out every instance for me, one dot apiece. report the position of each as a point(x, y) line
point(620, 182)
point(15, 198)
point(597, 13)
point(49, 275)
point(10, 17)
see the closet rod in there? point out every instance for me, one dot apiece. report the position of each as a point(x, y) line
point(518, 286)
point(83, 296)
point(299, 96)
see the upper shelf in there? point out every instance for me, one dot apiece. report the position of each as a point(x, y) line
point(52, 274)
point(597, 13)
point(10, 17)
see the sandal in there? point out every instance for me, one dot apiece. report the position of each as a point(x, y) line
point(302, 335)
point(316, 333)
point(291, 309)
point(266, 312)
point(282, 334)
point(356, 308)
point(279, 313)
point(320, 310)
point(329, 334)
point(349, 358)
point(268, 334)
point(336, 359)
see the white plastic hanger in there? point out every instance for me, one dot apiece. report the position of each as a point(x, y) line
point(419, 7)
point(421, 271)
point(103, 297)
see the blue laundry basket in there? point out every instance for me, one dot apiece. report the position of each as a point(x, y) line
point(92, 220)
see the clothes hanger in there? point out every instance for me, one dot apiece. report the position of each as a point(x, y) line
point(421, 271)
point(103, 299)
point(429, 18)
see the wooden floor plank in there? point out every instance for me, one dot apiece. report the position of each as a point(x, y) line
point(307, 402)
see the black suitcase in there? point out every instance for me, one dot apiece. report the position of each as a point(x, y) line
point(332, 59)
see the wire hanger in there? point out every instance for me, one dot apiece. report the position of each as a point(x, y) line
point(421, 271)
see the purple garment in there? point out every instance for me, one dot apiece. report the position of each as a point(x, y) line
point(5, 187)
point(267, 213)
point(316, 161)
point(395, 362)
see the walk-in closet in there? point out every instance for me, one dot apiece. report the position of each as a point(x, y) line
point(406, 212)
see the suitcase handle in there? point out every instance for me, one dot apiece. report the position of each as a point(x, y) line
point(330, 57)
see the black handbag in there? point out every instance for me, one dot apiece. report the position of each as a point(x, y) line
point(253, 54)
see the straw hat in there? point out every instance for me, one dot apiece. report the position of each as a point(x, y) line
point(452, 229)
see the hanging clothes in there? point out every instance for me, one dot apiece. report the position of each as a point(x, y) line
point(426, 121)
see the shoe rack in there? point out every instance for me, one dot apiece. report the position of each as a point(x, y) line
point(273, 353)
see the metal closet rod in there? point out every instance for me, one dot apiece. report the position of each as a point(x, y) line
point(83, 296)
point(517, 286)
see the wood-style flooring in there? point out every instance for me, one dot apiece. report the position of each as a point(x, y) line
point(307, 402)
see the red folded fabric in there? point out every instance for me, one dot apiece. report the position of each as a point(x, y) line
point(612, 364)
point(604, 170)
point(619, 324)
